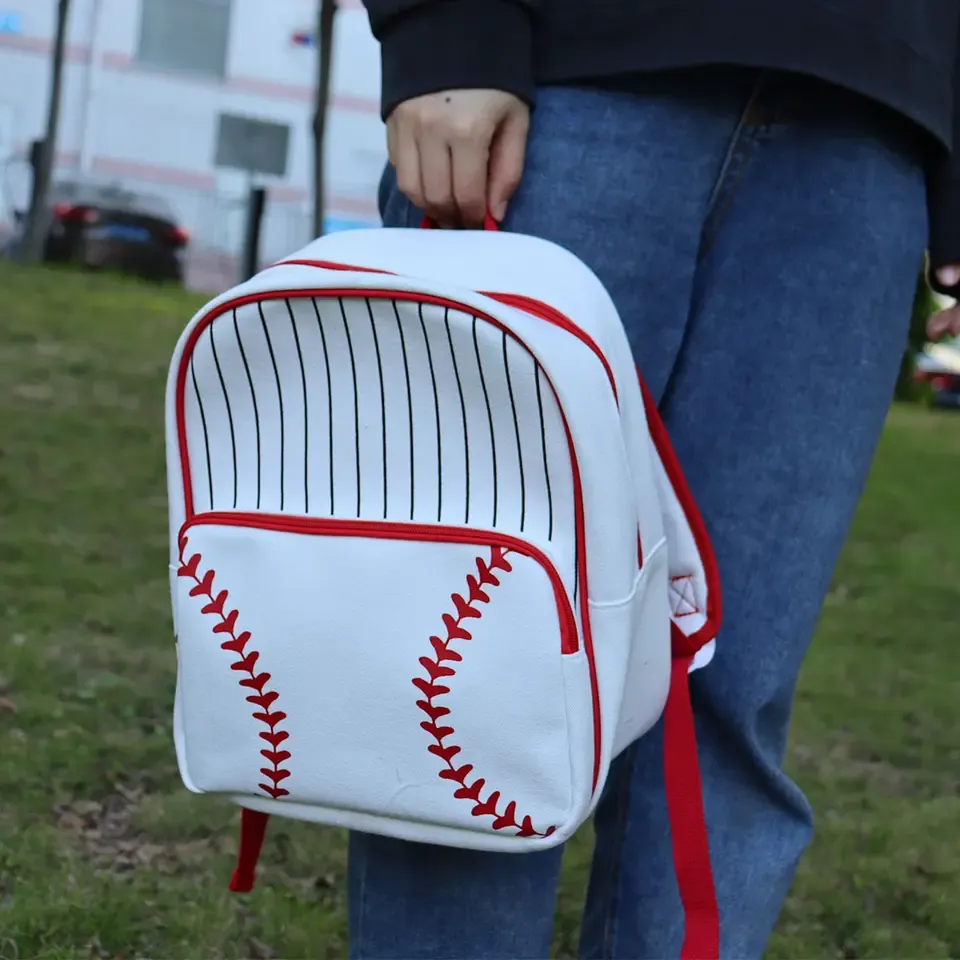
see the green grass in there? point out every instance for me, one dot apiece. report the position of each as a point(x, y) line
point(104, 854)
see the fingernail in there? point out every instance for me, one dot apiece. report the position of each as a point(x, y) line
point(949, 276)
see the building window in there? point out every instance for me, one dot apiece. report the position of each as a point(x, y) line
point(255, 146)
point(189, 36)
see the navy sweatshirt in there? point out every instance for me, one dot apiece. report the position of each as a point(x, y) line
point(901, 53)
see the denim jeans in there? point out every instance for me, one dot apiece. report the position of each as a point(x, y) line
point(761, 237)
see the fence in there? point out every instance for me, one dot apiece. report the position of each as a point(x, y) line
point(216, 219)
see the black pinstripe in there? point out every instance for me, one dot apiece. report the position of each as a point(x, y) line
point(406, 371)
point(203, 421)
point(486, 398)
point(463, 413)
point(306, 433)
point(383, 404)
point(276, 374)
point(326, 363)
point(226, 400)
point(436, 407)
point(253, 398)
point(516, 427)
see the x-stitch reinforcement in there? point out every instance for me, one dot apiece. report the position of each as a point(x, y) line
point(438, 669)
point(246, 663)
point(683, 599)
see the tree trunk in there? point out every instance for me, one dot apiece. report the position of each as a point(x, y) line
point(35, 231)
point(326, 9)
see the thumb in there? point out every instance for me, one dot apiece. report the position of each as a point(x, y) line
point(505, 167)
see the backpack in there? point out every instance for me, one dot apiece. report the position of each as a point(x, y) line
point(433, 561)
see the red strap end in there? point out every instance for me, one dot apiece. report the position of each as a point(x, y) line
point(253, 827)
point(688, 826)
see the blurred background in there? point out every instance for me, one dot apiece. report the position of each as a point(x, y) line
point(196, 102)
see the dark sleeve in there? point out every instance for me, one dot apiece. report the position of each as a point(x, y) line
point(943, 192)
point(432, 45)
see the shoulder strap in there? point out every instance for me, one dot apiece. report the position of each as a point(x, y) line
point(696, 612)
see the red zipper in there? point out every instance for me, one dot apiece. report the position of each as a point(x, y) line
point(392, 530)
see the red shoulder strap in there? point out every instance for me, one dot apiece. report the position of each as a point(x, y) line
point(688, 826)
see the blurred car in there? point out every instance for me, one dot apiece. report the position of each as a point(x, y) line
point(939, 365)
point(106, 226)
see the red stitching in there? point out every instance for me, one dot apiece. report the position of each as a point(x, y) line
point(438, 669)
point(246, 662)
point(683, 598)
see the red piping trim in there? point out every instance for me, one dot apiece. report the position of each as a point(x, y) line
point(393, 530)
point(545, 312)
point(329, 265)
point(682, 644)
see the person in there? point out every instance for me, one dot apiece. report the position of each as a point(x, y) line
point(755, 182)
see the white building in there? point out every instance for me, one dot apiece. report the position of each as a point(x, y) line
point(155, 91)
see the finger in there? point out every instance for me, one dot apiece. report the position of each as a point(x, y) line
point(437, 178)
point(469, 168)
point(507, 154)
point(407, 163)
point(949, 276)
point(392, 142)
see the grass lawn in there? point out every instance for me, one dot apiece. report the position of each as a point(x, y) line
point(104, 854)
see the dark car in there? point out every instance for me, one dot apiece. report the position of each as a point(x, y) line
point(107, 226)
point(939, 365)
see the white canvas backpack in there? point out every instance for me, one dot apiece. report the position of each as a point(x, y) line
point(433, 561)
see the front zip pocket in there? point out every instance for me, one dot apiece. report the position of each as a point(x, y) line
point(391, 669)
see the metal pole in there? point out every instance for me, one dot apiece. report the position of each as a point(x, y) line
point(34, 234)
point(250, 261)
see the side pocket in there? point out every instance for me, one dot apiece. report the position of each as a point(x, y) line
point(647, 676)
point(632, 643)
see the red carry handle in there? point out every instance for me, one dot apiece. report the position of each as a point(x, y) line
point(488, 223)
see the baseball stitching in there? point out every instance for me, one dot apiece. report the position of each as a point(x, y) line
point(438, 668)
point(246, 663)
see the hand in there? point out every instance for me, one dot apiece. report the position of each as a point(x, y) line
point(946, 321)
point(459, 152)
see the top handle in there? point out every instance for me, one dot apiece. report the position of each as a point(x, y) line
point(488, 223)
